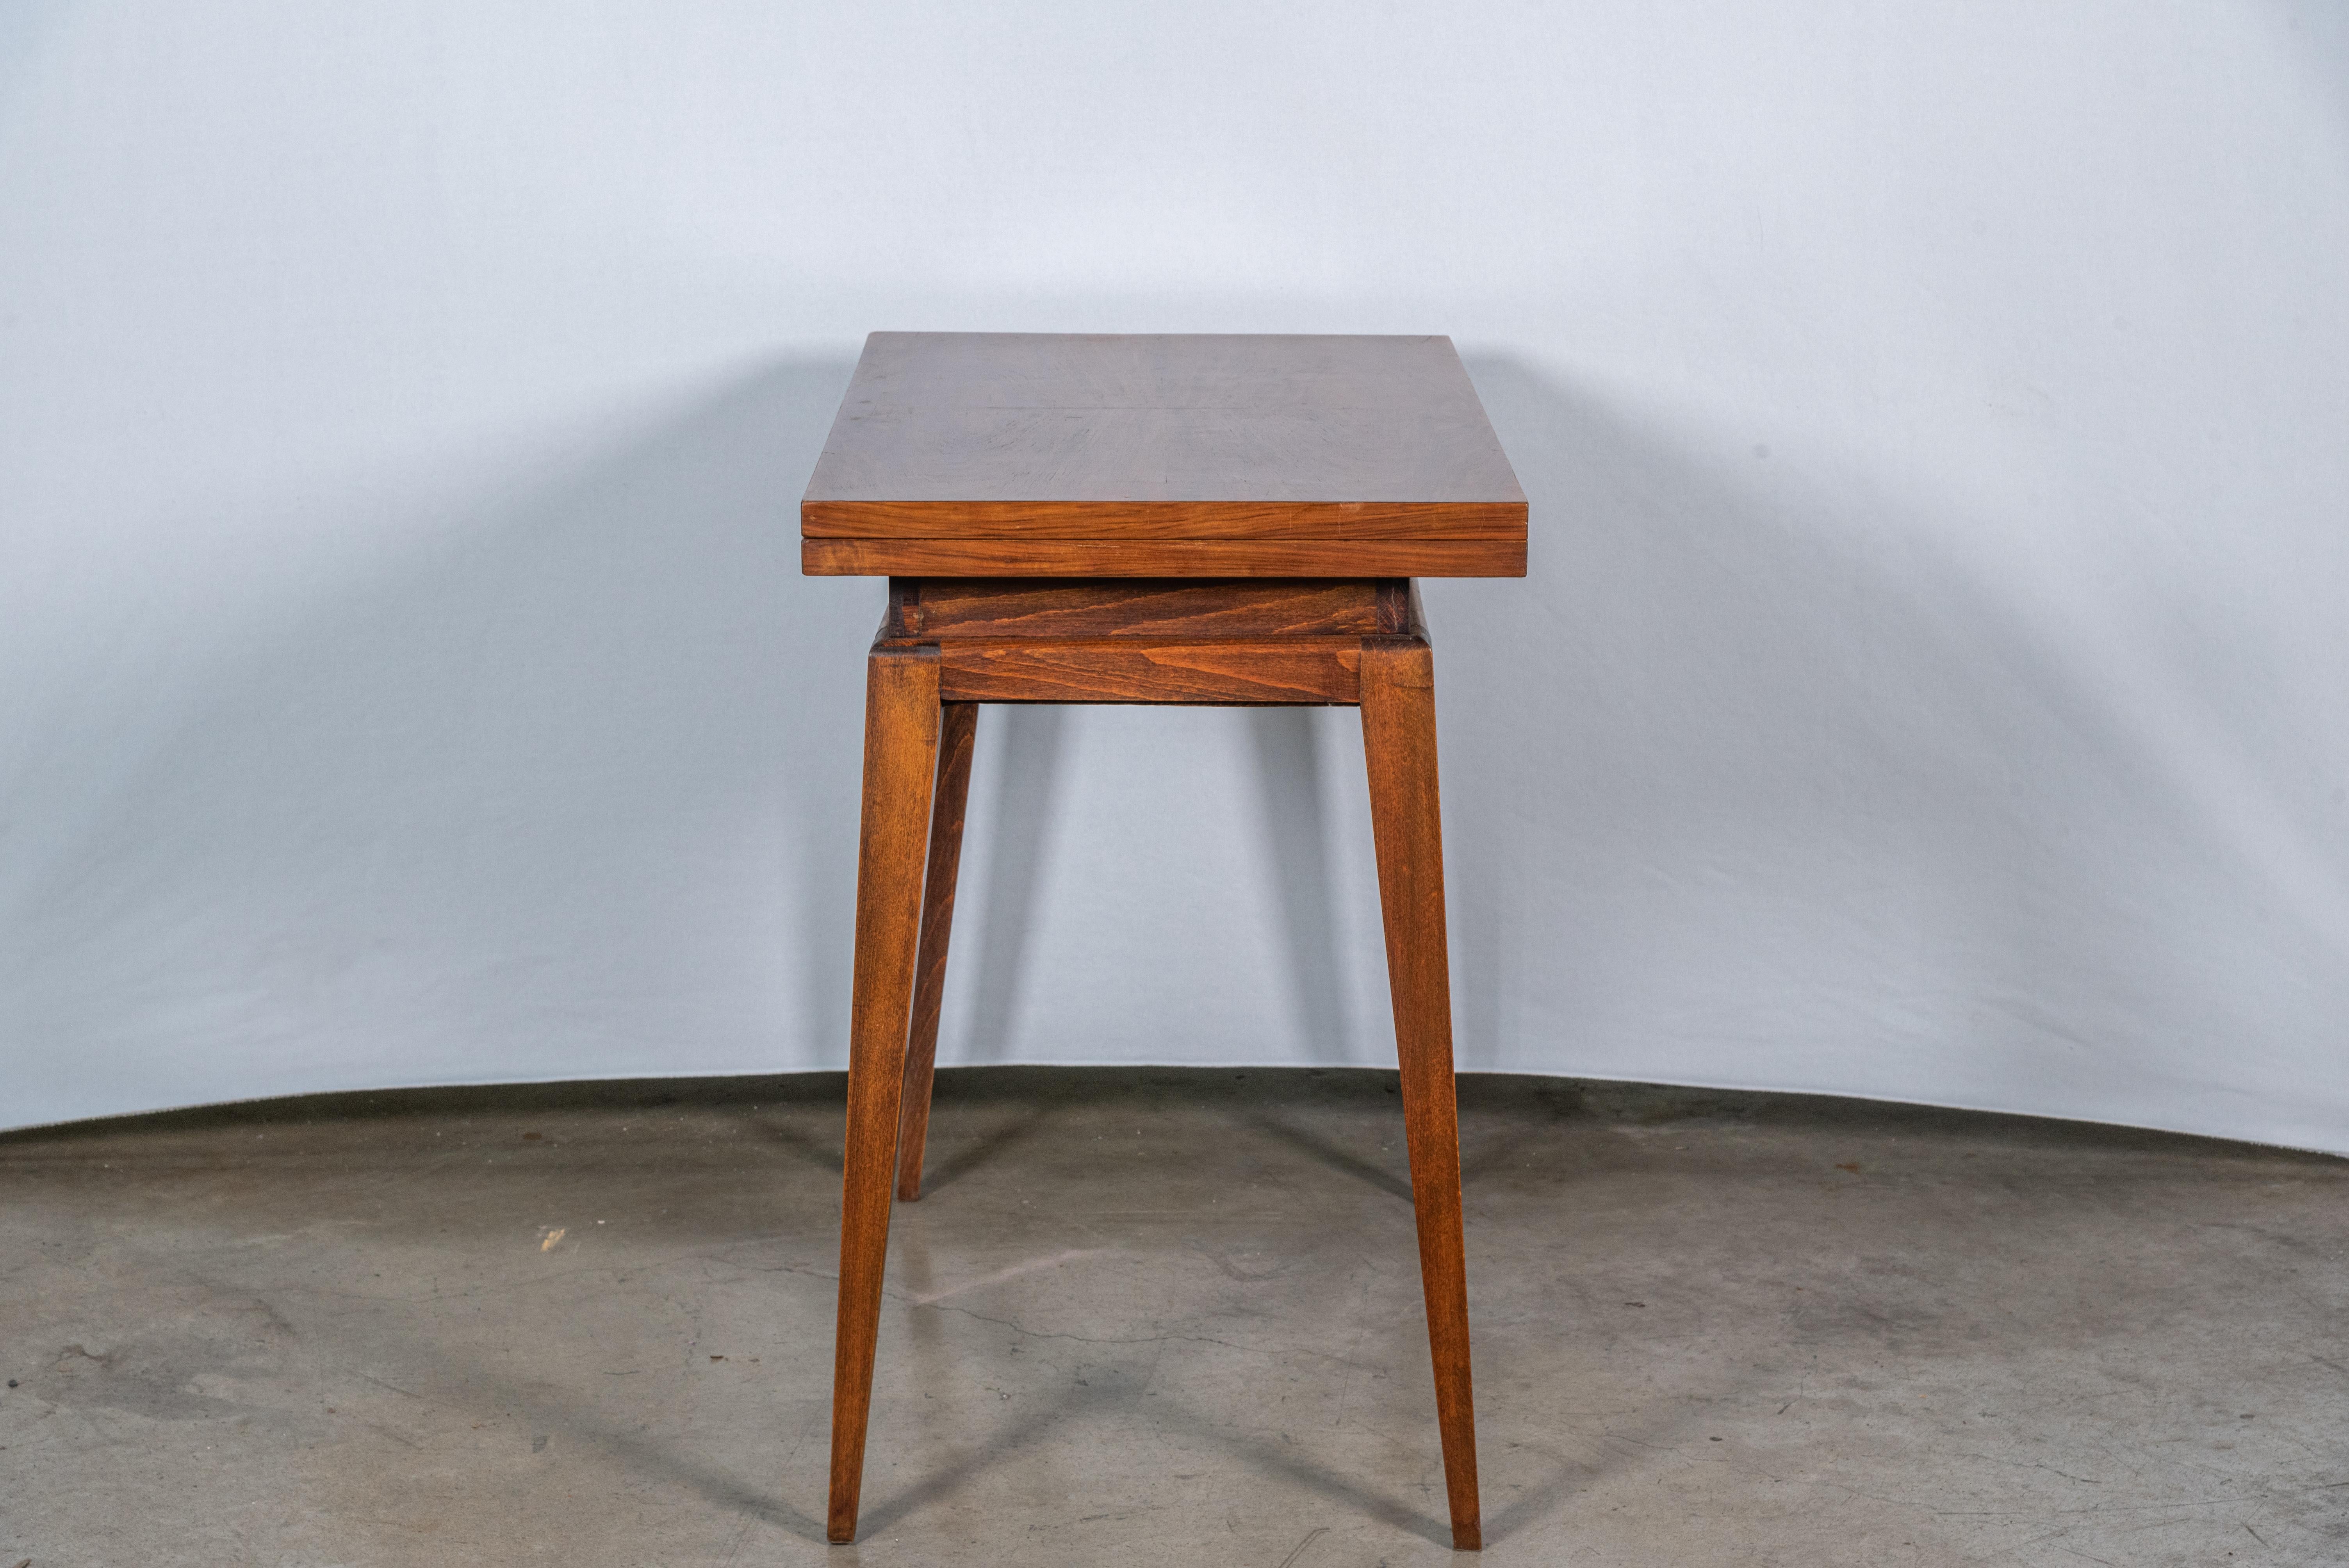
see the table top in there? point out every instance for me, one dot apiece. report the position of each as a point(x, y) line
point(1040, 454)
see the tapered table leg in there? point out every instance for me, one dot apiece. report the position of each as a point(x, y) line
point(957, 738)
point(1398, 696)
point(901, 744)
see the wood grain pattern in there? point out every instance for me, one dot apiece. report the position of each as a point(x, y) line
point(1398, 696)
point(958, 737)
point(1008, 454)
point(1300, 670)
point(1396, 596)
point(1268, 420)
point(1162, 558)
point(1162, 607)
point(948, 644)
point(1139, 520)
point(901, 740)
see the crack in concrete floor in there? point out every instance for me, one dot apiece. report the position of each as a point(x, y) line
point(1711, 1328)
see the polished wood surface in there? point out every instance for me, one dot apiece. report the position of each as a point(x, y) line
point(948, 644)
point(958, 738)
point(1398, 700)
point(1248, 425)
point(901, 740)
point(1298, 670)
point(1161, 557)
point(1178, 607)
point(1146, 520)
point(1007, 454)
point(1140, 520)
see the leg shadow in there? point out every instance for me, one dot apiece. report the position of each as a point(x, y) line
point(1289, 774)
point(825, 1153)
point(565, 786)
point(989, 1147)
point(1535, 1501)
point(1504, 1116)
point(1329, 1155)
point(993, 1450)
point(1026, 782)
point(1261, 1456)
point(459, 1382)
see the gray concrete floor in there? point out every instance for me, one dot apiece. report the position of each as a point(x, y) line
point(1149, 1317)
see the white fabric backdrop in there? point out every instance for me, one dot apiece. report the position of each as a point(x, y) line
point(1930, 684)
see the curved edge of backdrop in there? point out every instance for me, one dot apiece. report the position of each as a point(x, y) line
point(1741, 791)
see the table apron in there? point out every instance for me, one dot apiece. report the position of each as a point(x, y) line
point(1290, 671)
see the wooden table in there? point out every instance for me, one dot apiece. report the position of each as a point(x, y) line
point(1198, 519)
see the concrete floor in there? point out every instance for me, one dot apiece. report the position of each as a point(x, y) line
point(1150, 1316)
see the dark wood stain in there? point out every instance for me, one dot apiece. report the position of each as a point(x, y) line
point(1398, 696)
point(901, 738)
point(1146, 520)
point(990, 454)
point(1296, 670)
point(958, 737)
point(1171, 607)
point(1161, 557)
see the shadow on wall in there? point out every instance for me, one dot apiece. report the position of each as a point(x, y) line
point(1015, 834)
point(532, 805)
point(1287, 747)
point(1742, 788)
point(1013, 837)
point(1746, 788)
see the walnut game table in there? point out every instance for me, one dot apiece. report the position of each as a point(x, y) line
point(1196, 520)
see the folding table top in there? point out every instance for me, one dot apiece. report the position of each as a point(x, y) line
point(1049, 455)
